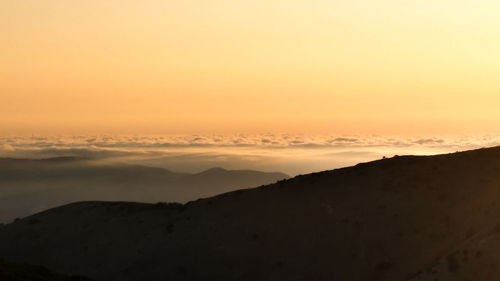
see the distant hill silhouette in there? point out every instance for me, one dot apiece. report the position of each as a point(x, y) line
point(405, 218)
point(28, 186)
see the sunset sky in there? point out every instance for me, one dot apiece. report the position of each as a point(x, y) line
point(196, 66)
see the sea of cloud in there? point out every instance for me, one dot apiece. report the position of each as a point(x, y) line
point(289, 153)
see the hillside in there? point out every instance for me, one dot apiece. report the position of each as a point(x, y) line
point(404, 218)
point(23, 272)
point(29, 186)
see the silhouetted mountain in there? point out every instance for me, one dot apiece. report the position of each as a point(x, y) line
point(29, 186)
point(404, 218)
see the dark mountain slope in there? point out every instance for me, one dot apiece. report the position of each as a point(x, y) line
point(23, 272)
point(394, 219)
point(29, 186)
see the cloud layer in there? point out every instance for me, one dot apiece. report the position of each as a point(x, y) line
point(278, 152)
point(240, 140)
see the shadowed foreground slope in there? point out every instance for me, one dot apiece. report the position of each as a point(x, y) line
point(23, 272)
point(405, 218)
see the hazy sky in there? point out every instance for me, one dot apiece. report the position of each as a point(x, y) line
point(160, 66)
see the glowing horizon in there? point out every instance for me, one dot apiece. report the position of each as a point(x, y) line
point(288, 153)
point(389, 67)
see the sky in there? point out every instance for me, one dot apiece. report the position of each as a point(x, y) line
point(225, 66)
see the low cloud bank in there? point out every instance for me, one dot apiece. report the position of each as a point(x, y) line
point(293, 154)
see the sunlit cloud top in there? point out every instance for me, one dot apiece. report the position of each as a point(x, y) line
point(12, 143)
point(289, 153)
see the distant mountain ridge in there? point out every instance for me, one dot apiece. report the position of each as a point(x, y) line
point(28, 186)
point(405, 218)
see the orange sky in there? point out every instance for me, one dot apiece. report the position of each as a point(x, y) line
point(343, 66)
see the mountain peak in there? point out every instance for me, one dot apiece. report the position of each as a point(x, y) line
point(214, 170)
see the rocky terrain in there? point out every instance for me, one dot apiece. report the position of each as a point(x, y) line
point(432, 218)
